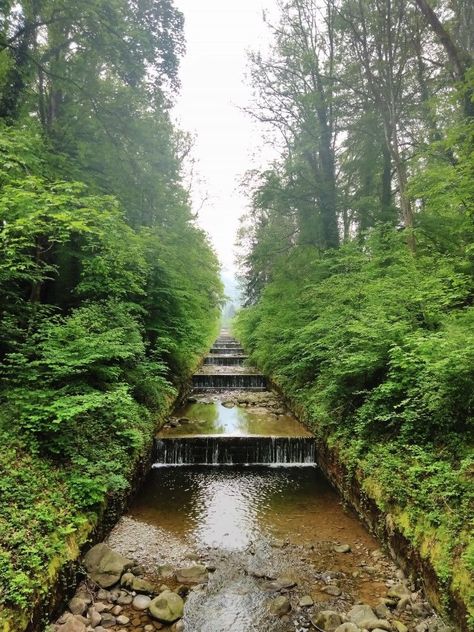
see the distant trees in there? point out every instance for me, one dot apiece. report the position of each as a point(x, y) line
point(352, 92)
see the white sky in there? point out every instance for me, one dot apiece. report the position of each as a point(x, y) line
point(218, 34)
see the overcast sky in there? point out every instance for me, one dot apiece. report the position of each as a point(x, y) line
point(218, 33)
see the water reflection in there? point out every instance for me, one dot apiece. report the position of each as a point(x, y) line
point(215, 418)
point(232, 507)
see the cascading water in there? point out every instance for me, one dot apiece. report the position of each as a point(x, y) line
point(222, 450)
point(231, 381)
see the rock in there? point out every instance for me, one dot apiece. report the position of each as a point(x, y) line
point(228, 404)
point(420, 610)
point(136, 583)
point(108, 620)
point(399, 626)
point(327, 620)
point(137, 570)
point(382, 611)
point(100, 607)
point(141, 602)
point(361, 614)
point(165, 571)
point(123, 620)
point(306, 601)
point(94, 617)
point(280, 606)
point(103, 595)
point(116, 610)
point(403, 603)
point(184, 420)
point(347, 627)
point(105, 566)
point(125, 599)
point(167, 607)
point(342, 548)
point(335, 591)
point(72, 624)
point(398, 591)
point(376, 624)
point(178, 626)
point(77, 605)
point(196, 574)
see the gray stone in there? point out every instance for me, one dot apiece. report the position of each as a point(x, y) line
point(136, 583)
point(398, 591)
point(327, 620)
point(100, 607)
point(361, 614)
point(105, 566)
point(178, 626)
point(72, 624)
point(94, 617)
point(125, 598)
point(347, 627)
point(77, 605)
point(108, 620)
point(342, 548)
point(165, 571)
point(123, 620)
point(382, 611)
point(103, 595)
point(399, 626)
point(141, 602)
point(167, 607)
point(196, 574)
point(335, 591)
point(306, 601)
point(280, 606)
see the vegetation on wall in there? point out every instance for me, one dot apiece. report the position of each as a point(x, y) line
point(109, 292)
point(357, 257)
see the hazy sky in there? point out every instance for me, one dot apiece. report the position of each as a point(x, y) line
point(218, 33)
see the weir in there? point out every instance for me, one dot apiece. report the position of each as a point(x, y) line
point(225, 360)
point(229, 450)
point(220, 432)
point(226, 350)
point(232, 381)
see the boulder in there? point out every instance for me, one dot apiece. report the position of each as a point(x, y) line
point(105, 566)
point(94, 617)
point(361, 614)
point(72, 624)
point(77, 605)
point(327, 620)
point(196, 574)
point(334, 591)
point(167, 607)
point(141, 602)
point(280, 606)
point(108, 620)
point(398, 591)
point(347, 627)
point(137, 584)
point(306, 601)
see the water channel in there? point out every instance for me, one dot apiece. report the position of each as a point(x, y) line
point(251, 519)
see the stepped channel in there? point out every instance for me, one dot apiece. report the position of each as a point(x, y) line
point(226, 432)
point(235, 487)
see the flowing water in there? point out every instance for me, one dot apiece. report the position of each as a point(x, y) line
point(250, 523)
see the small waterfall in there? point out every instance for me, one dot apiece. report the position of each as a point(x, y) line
point(225, 360)
point(227, 351)
point(229, 450)
point(225, 381)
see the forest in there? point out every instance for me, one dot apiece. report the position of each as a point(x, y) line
point(110, 293)
point(357, 252)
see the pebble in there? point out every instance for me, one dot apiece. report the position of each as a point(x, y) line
point(342, 548)
point(141, 602)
